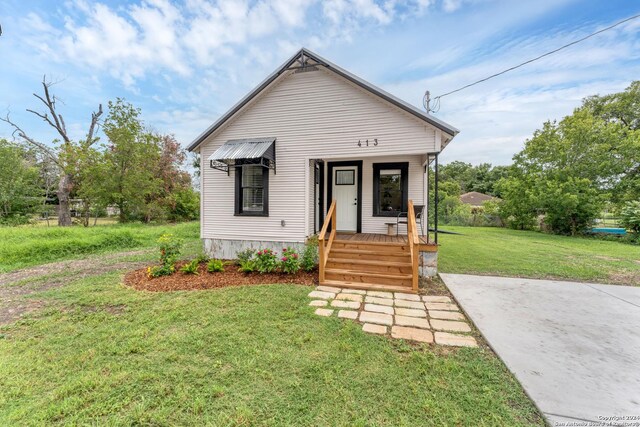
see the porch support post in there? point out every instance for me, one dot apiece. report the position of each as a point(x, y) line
point(425, 195)
point(435, 215)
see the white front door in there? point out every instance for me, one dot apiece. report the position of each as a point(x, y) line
point(345, 191)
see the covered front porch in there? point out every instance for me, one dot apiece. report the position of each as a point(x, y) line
point(377, 232)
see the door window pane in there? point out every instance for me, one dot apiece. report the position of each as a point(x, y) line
point(345, 177)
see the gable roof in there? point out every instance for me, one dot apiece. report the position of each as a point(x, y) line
point(302, 57)
point(475, 198)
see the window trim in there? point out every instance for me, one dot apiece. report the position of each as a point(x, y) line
point(404, 185)
point(265, 193)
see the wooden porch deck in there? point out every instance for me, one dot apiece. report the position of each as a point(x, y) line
point(425, 246)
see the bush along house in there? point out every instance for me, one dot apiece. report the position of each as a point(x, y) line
point(316, 150)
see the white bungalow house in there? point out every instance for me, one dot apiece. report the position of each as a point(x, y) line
point(315, 149)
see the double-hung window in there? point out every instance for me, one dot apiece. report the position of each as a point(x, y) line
point(390, 188)
point(252, 191)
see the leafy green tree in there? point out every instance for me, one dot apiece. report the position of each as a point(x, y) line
point(570, 205)
point(630, 216)
point(519, 207)
point(481, 178)
point(127, 180)
point(19, 189)
point(569, 168)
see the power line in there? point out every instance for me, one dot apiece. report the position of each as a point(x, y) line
point(437, 98)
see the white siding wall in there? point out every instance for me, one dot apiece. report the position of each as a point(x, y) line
point(313, 115)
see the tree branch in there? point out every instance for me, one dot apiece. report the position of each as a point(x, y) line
point(50, 103)
point(95, 116)
point(22, 134)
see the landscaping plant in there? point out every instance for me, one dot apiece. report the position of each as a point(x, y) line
point(215, 265)
point(202, 258)
point(290, 261)
point(246, 266)
point(266, 261)
point(244, 256)
point(310, 255)
point(190, 267)
point(160, 270)
point(170, 248)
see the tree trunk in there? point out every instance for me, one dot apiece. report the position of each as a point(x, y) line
point(123, 215)
point(64, 191)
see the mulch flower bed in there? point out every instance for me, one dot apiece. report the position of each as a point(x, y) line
point(180, 281)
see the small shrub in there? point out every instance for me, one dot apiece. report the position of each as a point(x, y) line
point(245, 255)
point(160, 270)
point(310, 255)
point(190, 267)
point(215, 265)
point(203, 258)
point(266, 261)
point(290, 261)
point(170, 248)
point(247, 266)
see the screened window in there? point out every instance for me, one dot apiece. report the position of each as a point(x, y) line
point(390, 186)
point(251, 190)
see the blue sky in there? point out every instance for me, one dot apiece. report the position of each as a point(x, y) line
point(186, 62)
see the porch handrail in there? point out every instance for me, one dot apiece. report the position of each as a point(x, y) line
point(414, 244)
point(324, 250)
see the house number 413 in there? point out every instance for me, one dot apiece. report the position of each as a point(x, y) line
point(366, 142)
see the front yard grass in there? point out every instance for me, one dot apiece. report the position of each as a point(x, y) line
point(504, 252)
point(102, 353)
point(33, 245)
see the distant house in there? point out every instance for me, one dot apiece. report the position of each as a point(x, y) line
point(475, 199)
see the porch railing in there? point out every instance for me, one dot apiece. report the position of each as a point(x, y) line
point(414, 244)
point(325, 249)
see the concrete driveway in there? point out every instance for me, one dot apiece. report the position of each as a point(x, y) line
point(574, 347)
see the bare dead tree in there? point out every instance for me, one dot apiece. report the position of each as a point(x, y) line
point(64, 162)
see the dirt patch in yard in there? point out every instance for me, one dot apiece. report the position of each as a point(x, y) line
point(625, 278)
point(15, 287)
point(179, 281)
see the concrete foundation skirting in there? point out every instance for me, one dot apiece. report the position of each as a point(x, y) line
point(228, 249)
point(428, 264)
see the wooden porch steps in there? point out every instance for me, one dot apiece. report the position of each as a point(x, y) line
point(349, 262)
point(369, 265)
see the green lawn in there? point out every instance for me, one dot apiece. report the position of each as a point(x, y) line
point(103, 354)
point(97, 352)
point(506, 252)
point(33, 245)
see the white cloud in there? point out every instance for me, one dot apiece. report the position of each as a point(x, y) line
point(497, 116)
point(186, 61)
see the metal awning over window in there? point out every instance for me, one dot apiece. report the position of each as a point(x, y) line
point(245, 152)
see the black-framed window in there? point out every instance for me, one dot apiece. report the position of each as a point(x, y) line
point(252, 191)
point(390, 188)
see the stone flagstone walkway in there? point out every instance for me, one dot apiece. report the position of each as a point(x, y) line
point(423, 318)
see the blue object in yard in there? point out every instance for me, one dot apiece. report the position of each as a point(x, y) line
point(604, 230)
